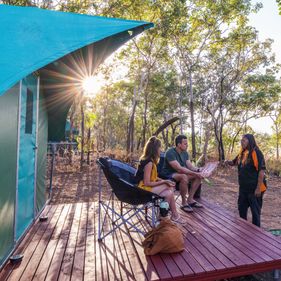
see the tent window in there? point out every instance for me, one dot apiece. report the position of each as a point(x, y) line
point(29, 112)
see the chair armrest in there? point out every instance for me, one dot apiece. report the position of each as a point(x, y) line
point(141, 190)
point(128, 183)
point(100, 163)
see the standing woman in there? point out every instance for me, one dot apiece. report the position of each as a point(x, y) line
point(147, 176)
point(251, 176)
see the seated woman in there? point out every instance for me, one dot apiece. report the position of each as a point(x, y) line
point(147, 176)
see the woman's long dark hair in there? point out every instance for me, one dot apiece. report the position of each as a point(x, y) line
point(252, 142)
point(151, 150)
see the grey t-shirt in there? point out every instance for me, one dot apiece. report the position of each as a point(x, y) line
point(171, 155)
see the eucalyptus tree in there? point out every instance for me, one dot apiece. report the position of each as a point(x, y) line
point(195, 26)
point(232, 59)
point(146, 56)
point(279, 5)
point(276, 118)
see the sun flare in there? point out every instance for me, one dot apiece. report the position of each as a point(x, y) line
point(91, 85)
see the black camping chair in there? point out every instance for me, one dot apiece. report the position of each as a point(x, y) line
point(134, 201)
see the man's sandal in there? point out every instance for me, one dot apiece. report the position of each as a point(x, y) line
point(187, 208)
point(195, 204)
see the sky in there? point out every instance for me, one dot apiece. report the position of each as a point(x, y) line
point(268, 23)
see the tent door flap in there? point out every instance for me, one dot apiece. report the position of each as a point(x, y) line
point(27, 150)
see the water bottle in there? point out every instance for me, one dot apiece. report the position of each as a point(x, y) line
point(164, 208)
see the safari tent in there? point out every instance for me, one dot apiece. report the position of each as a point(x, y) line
point(44, 55)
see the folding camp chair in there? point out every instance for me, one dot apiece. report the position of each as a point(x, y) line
point(135, 202)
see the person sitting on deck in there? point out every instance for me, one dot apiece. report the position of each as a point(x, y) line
point(251, 177)
point(178, 167)
point(147, 177)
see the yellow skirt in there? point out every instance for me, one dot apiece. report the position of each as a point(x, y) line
point(142, 186)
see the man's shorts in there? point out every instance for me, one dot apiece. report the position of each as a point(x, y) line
point(171, 178)
point(167, 177)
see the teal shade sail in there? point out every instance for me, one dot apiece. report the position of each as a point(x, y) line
point(32, 38)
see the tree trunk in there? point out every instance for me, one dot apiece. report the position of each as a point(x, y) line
point(82, 133)
point(71, 138)
point(234, 139)
point(139, 143)
point(219, 131)
point(165, 125)
point(221, 149)
point(144, 122)
point(174, 128)
point(89, 146)
point(143, 88)
point(131, 127)
point(166, 141)
point(191, 109)
point(218, 136)
point(104, 128)
point(206, 143)
point(277, 141)
point(181, 115)
point(222, 158)
point(277, 149)
point(132, 136)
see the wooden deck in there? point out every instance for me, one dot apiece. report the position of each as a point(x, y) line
point(217, 245)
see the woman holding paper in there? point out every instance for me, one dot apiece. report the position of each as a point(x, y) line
point(251, 177)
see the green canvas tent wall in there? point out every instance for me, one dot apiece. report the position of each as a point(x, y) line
point(43, 56)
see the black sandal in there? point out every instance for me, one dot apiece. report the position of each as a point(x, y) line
point(187, 208)
point(195, 204)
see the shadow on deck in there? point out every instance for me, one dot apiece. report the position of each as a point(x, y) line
point(217, 245)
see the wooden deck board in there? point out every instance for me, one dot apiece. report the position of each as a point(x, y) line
point(227, 215)
point(217, 245)
point(146, 262)
point(9, 268)
point(79, 257)
point(212, 249)
point(68, 258)
point(40, 249)
point(31, 246)
point(125, 266)
point(247, 243)
point(253, 235)
point(90, 256)
point(204, 251)
point(224, 246)
point(54, 268)
point(51, 247)
point(234, 239)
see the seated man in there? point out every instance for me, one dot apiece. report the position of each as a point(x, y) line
point(178, 167)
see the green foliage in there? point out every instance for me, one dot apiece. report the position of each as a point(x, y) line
point(234, 74)
point(279, 5)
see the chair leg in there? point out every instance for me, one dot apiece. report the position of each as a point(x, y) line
point(124, 221)
point(276, 274)
point(153, 222)
point(112, 205)
point(99, 226)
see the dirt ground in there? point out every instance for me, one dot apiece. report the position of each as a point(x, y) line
point(72, 185)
